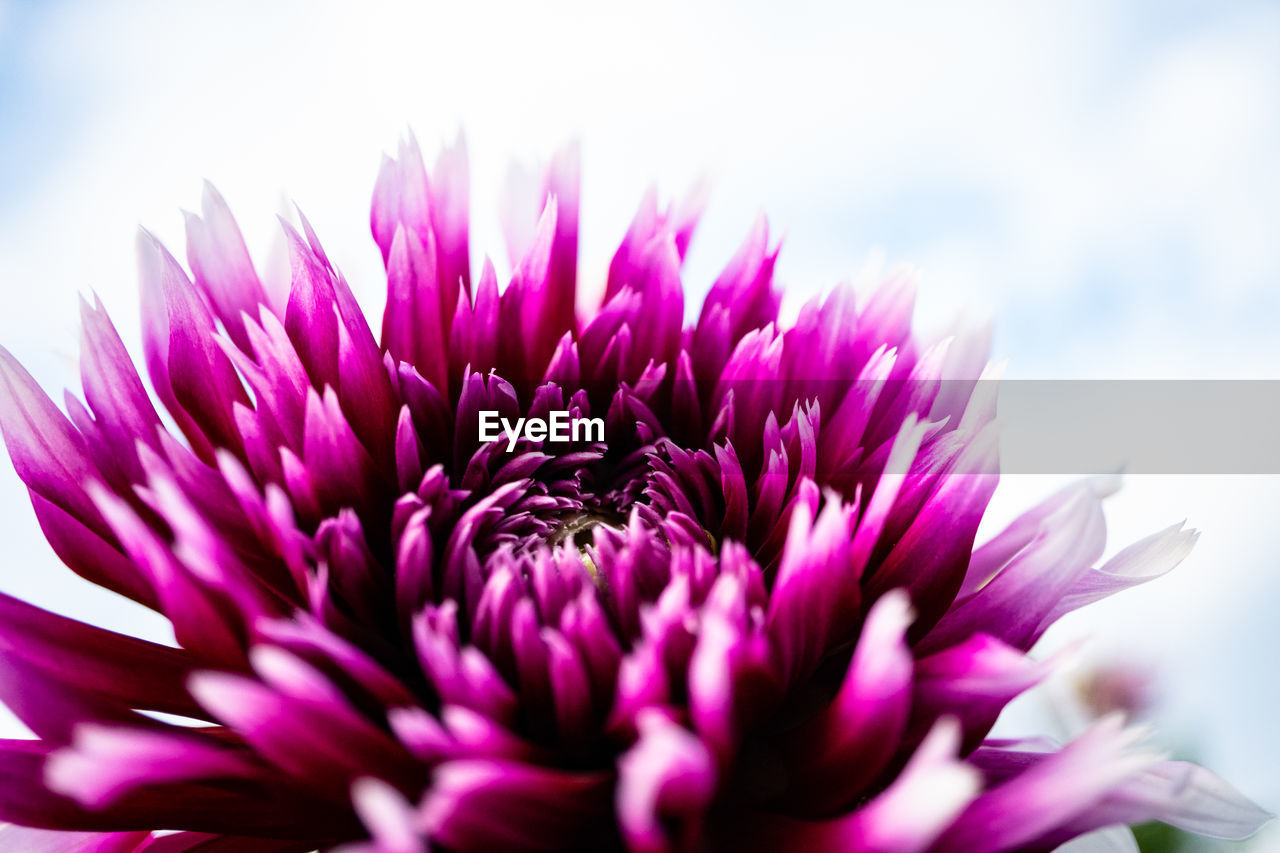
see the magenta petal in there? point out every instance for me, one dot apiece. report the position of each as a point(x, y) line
point(541, 808)
point(449, 191)
point(475, 332)
point(221, 266)
point(847, 746)
point(312, 317)
point(1058, 788)
point(972, 682)
point(931, 790)
point(326, 744)
point(47, 451)
point(989, 559)
point(340, 469)
point(27, 801)
point(815, 595)
point(907, 817)
point(528, 304)
point(122, 409)
point(730, 669)
point(203, 842)
point(103, 763)
point(387, 815)
point(1140, 562)
point(89, 552)
point(400, 196)
point(203, 620)
point(52, 707)
point(664, 782)
point(21, 839)
point(340, 660)
point(930, 559)
point(135, 673)
point(413, 328)
point(254, 811)
point(1014, 603)
point(462, 676)
point(745, 288)
point(570, 685)
point(1186, 796)
point(435, 211)
point(192, 375)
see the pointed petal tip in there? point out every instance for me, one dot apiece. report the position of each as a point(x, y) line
point(386, 814)
point(148, 243)
point(10, 367)
point(895, 608)
point(210, 199)
point(155, 263)
point(212, 690)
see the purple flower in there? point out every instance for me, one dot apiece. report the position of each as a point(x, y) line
point(752, 617)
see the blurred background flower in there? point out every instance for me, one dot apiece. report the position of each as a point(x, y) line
point(1100, 177)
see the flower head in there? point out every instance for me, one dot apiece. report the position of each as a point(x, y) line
point(752, 617)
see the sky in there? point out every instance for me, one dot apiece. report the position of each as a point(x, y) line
point(1101, 178)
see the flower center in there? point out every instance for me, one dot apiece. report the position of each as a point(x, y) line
point(579, 528)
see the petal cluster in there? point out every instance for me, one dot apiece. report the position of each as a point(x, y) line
point(753, 617)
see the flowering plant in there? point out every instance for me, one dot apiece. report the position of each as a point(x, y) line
point(752, 617)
